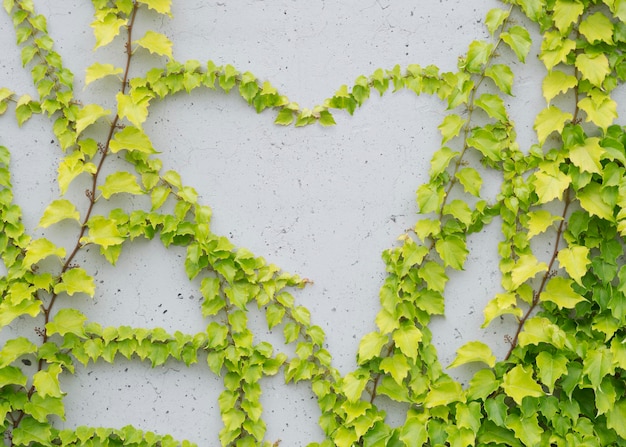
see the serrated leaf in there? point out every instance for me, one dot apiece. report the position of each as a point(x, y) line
point(407, 337)
point(557, 82)
point(120, 182)
point(599, 107)
point(57, 211)
point(14, 349)
point(470, 179)
point(429, 198)
point(441, 159)
point(526, 267)
point(134, 111)
point(492, 105)
point(501, 304)
point(593, 67)
point(473, 351)
point(495, 18)
point(551, 368)
point(591, 199)
point(41, 408)
point(566, 12)
point(76, 280)
point(89, 115)
point(39, 249)
point(450, 127)
point(434, 275)
point(397, 366)
point(370, 346)
point(597, 364)
point(549, 185)
point(106, 29)
point(518, 383)
point(453, 251)
point(478, 55)
point(539, 221)
point(597, 27)
point(156, 43)
point(502, 76)
point(555, 48)
point(46, 382)
point(518, 39)
point(284, 117)
point(444, 392)
point(103, 232)
point(587, 156)
point(550, 119)
point(616, 416)
point(160, 6)
point(559, 291)
point(575, 261)
point(97, 71)
point(131, 139)
point(352, 386)
point(32, 431)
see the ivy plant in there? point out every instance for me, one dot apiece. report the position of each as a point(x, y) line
point(560, 384)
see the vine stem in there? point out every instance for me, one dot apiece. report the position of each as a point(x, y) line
point(91, 195)
point(536, 296)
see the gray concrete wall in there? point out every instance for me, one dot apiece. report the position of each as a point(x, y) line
point(320, 202)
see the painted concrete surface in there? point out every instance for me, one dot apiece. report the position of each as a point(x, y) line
point(320, 202)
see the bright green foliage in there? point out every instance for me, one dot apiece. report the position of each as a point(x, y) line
point(561, 383)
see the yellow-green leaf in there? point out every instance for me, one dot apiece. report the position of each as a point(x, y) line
point(134, 111)
point(492, 105)
point(597, 27)
point(103, 232)
point(397, 366)
point(39, 249)
point(370, 346)
point(550, 119)
point(407, 338)
point(450, 127)
point(89, 115)
point(495, 18)
point(574, 260)
point(549, 185)
point(131, 139)
point(599, 107)
point(156, 43)
point(566, 12)
point(501, 304)
point(592, 201)
point(526, 267)
point(593, 67)
point(453, 251)
point(518, 383)
point(97, 71)
point(518, 38)
point(160, 6)
point(588, 155)
point(445, 391)
point(473, 351)
point(120, 182)
point(46, 382)
point(551, 368)
point(559, 291)
point(352, 386)
point(76, 280)
point(470, 179)
point(57, 211)
point(557, 82)
point(502, 76)
point(539, 221)
point(107, 28)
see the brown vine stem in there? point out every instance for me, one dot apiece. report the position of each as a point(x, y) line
point(544, 279)
point(91, 195)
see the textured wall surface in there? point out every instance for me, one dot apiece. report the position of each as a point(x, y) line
point(320, 202)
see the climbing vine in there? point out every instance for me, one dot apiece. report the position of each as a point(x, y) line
point(560, 384)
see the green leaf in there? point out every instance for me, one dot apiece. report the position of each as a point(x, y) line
point(135, 111)
point(501, 304)
point(588, 155)
point(551, 368)
point(413, 432)
point(597, 364)
point(473, 351)
point(550, 184)
point(574, 260)
point(397, 366)
point(526, 267)
point(518, 39)
point(566, 12)
point(12, 375)
point(89, 115)
point(14, 349)
point(160, 6)
point(470, 179)
point(284, 117)
point(541, 330)
point(597, 27)
point(557, 82)
point(57, 211)
point(76, 280)
point(495, 18)
point(120, 182)
point(539, 221)
point(482, 385)
point(156, 43)
point(39, 249)
point(131, 139)
point(478, 55)
point(593, 67)
point(592, 200)
point(555, 49)
point(370, 346)
point(97, 71)
point(106, 28)
point(616, 418)
point(430, 198)
point(599, 107)
point(46, 381)
point(502, 76)
point(407, 337)
point(41, 408)
point(453, 251)
point(450, 128)
point(102, 231)
point(518, 383)
point(32, 431)
point(352, 386)
point(434, 275)
point(551, 119)
point(444, 392)
point(492, 105)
